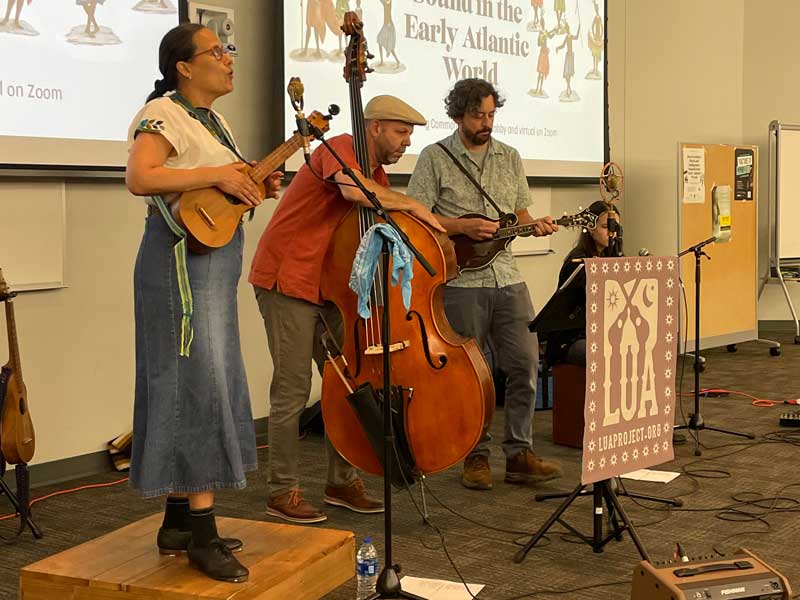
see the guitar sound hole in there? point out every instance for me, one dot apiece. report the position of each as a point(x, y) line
point(22, 406)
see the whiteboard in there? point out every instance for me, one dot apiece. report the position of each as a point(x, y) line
point(787, 191)
point(32, 234)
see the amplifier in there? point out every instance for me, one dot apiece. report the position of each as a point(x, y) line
point(742, 576)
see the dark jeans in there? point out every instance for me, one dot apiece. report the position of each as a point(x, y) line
point(504, 313)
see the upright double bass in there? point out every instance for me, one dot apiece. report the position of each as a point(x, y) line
point(448, 396)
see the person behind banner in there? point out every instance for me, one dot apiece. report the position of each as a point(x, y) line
point(493, 300)
point(286, 273)
point(192, 425)
point(570, 346)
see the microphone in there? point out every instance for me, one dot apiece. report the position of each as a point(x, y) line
point(644, 252)
point(305, 133)
point(295, 90)
point(612, 182)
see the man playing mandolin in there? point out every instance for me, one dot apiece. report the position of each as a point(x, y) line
point(286, 275)
point(495, 299)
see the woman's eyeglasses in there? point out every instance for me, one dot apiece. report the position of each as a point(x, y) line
point(217, 52)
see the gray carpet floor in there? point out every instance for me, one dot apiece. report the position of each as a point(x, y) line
point(482, 530)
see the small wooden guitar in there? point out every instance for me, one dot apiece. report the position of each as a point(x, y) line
point(210, 216)
point(17, 441)
point(472, 255)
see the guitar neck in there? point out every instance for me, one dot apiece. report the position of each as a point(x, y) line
point(528, 229)
point(13, 345)
point(276, 158)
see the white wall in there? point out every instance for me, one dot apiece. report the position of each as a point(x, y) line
point(770, 92)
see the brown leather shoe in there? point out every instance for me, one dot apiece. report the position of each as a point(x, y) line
point(526, 467)
point(291, 506)
point(477, 475)
point(353, 496)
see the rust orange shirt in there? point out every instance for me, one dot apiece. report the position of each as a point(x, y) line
point(293, 246)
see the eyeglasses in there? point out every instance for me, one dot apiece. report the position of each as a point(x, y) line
point(217, 52)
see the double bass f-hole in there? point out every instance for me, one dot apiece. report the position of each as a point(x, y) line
point(424, 339)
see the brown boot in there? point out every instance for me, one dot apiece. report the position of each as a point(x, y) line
point(291, 506)
point(353, 496)
point(477, 474)
point(526, 467)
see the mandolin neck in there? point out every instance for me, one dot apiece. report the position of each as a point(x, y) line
point(276, 158)
point(527, 229)
point(13, 346)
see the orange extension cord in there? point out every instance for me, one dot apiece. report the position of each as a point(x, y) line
point(84, 487)
point(760, 402)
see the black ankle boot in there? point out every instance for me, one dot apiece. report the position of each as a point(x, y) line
point(176, 530)
point(216, 561)
point(172, 542)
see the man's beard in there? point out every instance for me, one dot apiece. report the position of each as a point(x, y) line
point(476, 138)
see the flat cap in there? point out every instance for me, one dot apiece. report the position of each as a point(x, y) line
point(390, 108)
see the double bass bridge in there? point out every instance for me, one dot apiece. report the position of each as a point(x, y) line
point(378, 349)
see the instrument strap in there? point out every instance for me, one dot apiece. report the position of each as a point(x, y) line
point(182, 272)
point(211, 123)
point(472, 180)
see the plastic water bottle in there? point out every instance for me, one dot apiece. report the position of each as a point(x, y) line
point(366, 569)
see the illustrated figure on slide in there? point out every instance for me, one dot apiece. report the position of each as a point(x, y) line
point(387, 38)
point(569, 95)
point(560, 7)
point(92, 33)
point(320, 15)
point(334, 23)
point(543, 62)
point(16, 26)
point(359, 10)
point(596, 39)
point(342, 6)
point(538, 9)
point(163, 7)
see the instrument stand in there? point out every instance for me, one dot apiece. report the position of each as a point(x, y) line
point(388, 585)
point(601, 492)
point(29, 522)
point(696, 422)
point(677, 502)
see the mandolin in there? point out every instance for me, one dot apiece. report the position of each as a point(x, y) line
point(17, 440)
point(210, 216)
point(472, 255)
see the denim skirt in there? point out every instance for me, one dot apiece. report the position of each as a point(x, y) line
point(192, 423)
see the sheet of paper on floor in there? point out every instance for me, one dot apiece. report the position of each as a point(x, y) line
point(651, 475)
point(439, 589)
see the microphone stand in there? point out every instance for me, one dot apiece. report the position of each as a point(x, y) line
point(696, 422)
point(388, 585)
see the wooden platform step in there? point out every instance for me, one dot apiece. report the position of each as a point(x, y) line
point(285, 561)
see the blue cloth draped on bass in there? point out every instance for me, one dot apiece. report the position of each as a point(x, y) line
point(366, 260)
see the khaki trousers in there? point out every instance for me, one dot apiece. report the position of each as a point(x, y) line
point(294, 329)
